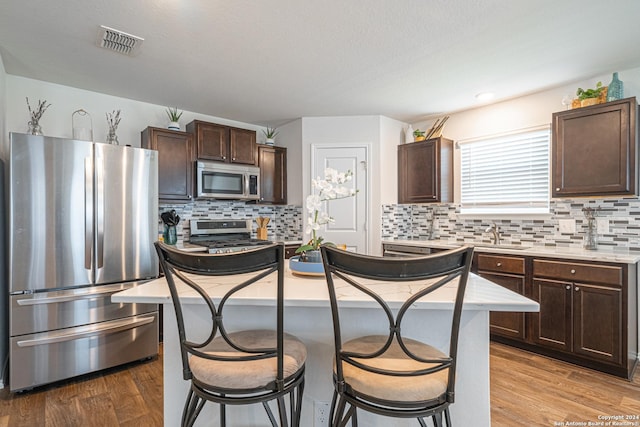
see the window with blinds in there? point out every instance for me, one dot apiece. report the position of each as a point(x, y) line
point(508, 174)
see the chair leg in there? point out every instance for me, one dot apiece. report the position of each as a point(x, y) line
point(282, 410)
point(192, 407)
point(437, 420)
point(341, 418)
point(422, 422)
point(223, 415)
point(272, 419)
point(447, 417)
point(295, 414)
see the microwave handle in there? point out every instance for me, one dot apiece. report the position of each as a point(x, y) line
point(246, 181)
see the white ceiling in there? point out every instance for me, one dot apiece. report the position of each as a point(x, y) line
point(270, 61)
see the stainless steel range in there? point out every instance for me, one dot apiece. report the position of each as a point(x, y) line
point(224, 235)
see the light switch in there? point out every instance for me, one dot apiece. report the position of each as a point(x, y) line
point(567, 225)
point(602, 225)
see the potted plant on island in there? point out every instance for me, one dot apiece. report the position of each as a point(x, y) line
point(418, 135)
point(270, 135)
point(331, 187)
point(174, 116)
point(591, 96)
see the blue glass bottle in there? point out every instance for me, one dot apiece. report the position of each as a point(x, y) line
point(615, 90)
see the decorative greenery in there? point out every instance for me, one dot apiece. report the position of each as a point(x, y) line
point(418, 133)
point(113, 120)
point(36, 115)
point(590, 93)
point(330, 188)
point(270, 133)
point(173, 114)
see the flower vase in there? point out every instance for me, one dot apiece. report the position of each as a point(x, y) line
point(34, 128)
point(174, 126)
point(307, 264)
point(616, 89)
point(112, 138)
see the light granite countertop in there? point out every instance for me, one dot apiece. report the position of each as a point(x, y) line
point(603, 254)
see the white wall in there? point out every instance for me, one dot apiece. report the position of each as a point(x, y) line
point(527, 111)
point(381, 134)
point(64, 100)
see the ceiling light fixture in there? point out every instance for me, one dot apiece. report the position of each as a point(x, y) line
point(118, 41)
point(485, 96)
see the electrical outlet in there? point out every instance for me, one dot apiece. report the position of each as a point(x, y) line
point(602, 225)
point(322, 410)
point(567, 225)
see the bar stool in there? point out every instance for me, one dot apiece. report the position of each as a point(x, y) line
point(390, 374)
point(235, 367)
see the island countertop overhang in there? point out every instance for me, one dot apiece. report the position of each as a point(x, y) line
point(481, 294)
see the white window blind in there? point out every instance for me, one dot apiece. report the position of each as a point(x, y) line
point(506, 174)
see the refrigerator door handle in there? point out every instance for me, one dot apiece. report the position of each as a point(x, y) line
point(100, 210)
point(88, 214)
point(94, 330)
point(72, 297)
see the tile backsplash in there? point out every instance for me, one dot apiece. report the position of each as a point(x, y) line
point(285, 223)
point(621, 216)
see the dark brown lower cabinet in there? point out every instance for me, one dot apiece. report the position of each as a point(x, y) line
point(588, 310)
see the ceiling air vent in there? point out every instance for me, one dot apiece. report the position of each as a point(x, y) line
point(118, 41)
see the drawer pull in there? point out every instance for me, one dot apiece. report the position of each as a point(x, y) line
point(568, 287)
point(573, 271)
point(498, 264)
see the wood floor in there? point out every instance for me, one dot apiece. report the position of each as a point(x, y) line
point(526, 390)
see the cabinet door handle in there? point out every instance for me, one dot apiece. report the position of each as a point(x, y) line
point(573, 271)
point(557, 188)
point(498, 264)
point(233, 158)
point(568, 287)
point(224, 157)
point(577, 288)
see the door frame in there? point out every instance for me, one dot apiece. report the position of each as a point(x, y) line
point(368, 147)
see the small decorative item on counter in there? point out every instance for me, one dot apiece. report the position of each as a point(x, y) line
point(591, 238)
point(270, 135)
point(261, 232)
point(616, 89)
point(591, 96)
point(170, 220)
point(418, 135)
point(408, 135)
point(36, 115)
point(174, 116)
point(113, 120)
point(82, 131)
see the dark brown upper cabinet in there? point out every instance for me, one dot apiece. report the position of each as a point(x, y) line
point(223, 143)
point(594, 150)
point(273, 174)
point(175, 162)
point(425, 171)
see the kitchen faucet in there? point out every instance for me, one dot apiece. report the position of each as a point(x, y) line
point(495, 231)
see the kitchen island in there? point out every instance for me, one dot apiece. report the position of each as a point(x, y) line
point(308, 316)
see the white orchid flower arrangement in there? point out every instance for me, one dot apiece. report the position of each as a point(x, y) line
point(331, 187)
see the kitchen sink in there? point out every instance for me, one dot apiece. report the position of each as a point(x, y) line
point(499, 246)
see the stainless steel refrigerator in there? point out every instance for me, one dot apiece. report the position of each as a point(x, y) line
point(82, 217)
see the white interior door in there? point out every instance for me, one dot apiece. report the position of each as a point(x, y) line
point(349, 214)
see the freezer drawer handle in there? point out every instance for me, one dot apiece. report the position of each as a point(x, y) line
point(111, 327)
point(67, 298)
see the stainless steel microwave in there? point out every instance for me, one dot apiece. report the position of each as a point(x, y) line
point(227, 181)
